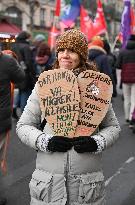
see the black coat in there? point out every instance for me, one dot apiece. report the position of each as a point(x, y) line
point(126, 62)
point(101, 58)
point(99, 55)
point(10, 71)
point(24, 53)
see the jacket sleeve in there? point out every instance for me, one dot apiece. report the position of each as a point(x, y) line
point(109, 128)
point(16, 73)
point(30, 120)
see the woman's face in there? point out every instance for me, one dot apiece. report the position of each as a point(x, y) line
point(68, 59)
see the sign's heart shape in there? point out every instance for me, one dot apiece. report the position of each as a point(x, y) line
point(60, 100)
point(95, 93)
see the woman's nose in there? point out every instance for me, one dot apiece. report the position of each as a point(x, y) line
point(65, 53)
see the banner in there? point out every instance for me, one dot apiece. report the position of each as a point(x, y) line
point(99, 21)
point(126, 22)
point(132, 20)
point(54, 32)
point(90, 28)
point(86, 24)
point(70, 13)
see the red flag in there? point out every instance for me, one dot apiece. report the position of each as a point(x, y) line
point(86, 24)
point(57, 10)
point(54, 32)
point(132, 20)
point(99, 22)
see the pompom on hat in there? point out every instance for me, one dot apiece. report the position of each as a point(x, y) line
point(75, 40)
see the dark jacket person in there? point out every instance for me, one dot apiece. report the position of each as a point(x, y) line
point(10, 71)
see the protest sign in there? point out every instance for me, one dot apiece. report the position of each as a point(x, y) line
point(59, 100)
point(95, 93)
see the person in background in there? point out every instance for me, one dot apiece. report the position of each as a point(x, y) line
point(10, 72)
point(68, 170)
point(38, 39)
point(98, 54)
point(15, 100)
point(22, 49)
point(43, 59)
point(112, 65)
point(126, 63)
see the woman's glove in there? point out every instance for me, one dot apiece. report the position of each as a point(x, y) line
point(84, 144)
point(59, 144)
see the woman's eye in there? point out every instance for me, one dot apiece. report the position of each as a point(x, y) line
point(71, 51)
point(61, 50)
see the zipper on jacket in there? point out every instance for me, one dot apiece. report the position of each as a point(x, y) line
point(66, 171)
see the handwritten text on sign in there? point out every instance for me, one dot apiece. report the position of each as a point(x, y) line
point(95, 93)
point(59, 100)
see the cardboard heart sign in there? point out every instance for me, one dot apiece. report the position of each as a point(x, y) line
point(95, 93)
point(59, 100)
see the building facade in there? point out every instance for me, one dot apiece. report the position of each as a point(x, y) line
point(28, 13)
point(38, 15)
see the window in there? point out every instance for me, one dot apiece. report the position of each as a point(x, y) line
point(51, 16)
point(15, 15)
point(42, 17)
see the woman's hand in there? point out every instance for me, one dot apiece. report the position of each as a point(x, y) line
point(84, 144)
point(59, 144)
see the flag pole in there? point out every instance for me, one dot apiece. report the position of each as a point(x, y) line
point(114, 43)
point(56, 15)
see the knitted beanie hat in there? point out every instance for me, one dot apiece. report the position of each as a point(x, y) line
point(43, 50)
point(39, 37)
point(75, 40)
point(9, 52)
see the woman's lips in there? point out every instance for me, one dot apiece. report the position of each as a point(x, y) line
point(65, 62)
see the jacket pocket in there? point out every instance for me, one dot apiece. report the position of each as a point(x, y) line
point(41, 185)
point(91, 188)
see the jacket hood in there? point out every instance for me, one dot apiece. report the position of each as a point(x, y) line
point(96, 51)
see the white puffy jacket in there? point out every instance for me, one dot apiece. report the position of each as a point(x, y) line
point(65, 178)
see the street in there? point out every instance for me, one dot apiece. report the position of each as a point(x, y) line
point(118, 165)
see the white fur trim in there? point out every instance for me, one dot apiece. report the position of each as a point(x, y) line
point(100, 140)
point(42, 142)
point(98, 48)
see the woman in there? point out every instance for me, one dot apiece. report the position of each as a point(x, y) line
point(68, 171)
point(43, 59)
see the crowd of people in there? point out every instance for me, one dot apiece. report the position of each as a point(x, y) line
point(83, 182)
